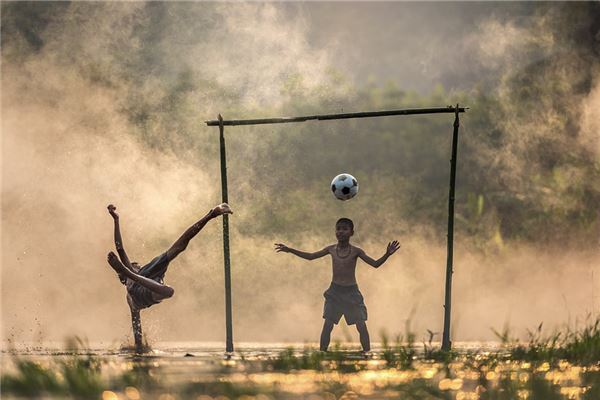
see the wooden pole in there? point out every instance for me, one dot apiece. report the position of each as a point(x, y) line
point(226, 257)
point(446, 343)
point(323, 117)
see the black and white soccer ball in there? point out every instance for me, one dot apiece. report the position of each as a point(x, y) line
point(344, 186)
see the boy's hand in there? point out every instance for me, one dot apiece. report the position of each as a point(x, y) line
point(280, 247)
point(392, 247)
point(112, 210)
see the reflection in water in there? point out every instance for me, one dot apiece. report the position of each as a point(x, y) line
point(258, 373)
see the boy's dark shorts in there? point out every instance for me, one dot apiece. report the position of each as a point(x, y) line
point(155, 270)
point(344, 300)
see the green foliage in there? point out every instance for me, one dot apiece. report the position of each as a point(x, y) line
point(399, 355)
point(289, 360)
point(522, 370)
point(339, 358)
point(30, 380)
point(581, 346)
point(525, 169)
point(82, 377)
point(78, 377)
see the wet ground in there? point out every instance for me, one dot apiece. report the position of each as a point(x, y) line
point(203, 371)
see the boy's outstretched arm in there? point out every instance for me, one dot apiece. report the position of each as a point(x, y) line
point(112, 210)
point(280, 247)
point(391, 249)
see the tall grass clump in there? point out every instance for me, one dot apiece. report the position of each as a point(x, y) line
point(288, 360)
point(580, 346)
point(583, 346)
point(399, 355)
point(31, 379)
point(339, 358)
point(77, 376)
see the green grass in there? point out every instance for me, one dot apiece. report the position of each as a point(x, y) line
point(399, 355)
point(515, 369)
point(77, 376)
point(580, 347)
point(289, 360)
point(31, 379)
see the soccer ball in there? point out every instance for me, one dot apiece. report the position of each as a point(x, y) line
point(344, 186)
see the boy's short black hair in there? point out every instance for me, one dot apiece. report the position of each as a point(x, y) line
point(347, 221)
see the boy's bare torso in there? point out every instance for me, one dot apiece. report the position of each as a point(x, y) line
point(343, 260)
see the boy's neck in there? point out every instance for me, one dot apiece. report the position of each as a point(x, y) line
point(343, 243)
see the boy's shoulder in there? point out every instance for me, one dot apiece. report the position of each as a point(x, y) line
point(356, 248)
point(357, 251)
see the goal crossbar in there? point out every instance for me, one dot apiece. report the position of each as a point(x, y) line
point(323, 117)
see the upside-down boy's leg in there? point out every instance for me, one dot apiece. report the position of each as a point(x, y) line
point(163, 291)
point(181, 243)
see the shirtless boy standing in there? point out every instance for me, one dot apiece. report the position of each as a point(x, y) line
point(343, 296)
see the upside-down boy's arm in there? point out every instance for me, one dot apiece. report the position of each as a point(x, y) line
point(118, 241)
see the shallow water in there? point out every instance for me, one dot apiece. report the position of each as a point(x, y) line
point(262, 371)
point(206, 349)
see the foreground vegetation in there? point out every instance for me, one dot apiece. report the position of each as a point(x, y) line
point(555, 366)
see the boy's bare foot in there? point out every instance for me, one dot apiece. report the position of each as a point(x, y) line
point(222, 209)
point(117, 265)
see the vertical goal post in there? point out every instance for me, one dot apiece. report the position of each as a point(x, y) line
point(221, 123)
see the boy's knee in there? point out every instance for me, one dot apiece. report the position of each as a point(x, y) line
point(165, 293)
point(328, 325)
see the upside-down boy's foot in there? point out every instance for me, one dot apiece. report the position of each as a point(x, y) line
point(117, 265)
point(112, 210)
point(222, 209)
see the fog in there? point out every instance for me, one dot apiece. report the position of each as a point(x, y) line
point(106, 102)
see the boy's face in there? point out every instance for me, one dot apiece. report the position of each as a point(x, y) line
point(343, 231)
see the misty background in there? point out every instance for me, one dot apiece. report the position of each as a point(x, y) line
point(106, 102)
